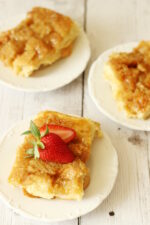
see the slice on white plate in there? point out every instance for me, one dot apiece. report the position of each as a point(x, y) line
point(103, 167)
point(51, 77)
point(102, 95)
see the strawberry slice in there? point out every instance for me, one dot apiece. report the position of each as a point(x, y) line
point(65, 133)
point(55, 150)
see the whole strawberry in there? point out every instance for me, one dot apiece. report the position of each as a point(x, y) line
point(55, 149)
point(50, 146)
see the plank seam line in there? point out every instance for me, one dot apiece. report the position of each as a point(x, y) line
point(138, 180)
point(148, 161)
point(83, 75)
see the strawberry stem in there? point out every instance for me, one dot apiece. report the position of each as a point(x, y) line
point(34, 130)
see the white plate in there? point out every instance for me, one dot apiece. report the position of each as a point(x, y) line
point(52, 77)
point(101, 92)
point(103, 166)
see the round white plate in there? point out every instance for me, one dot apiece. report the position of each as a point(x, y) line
point(103, 166)
point(54, 76)
point(101, 92)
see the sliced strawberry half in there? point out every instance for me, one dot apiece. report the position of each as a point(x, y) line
point(65, 133)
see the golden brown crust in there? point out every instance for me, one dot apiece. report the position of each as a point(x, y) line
point(42, 38)
point(66, 181)
point(86, 130)
point(129, 76)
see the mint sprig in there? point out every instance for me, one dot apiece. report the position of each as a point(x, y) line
point(34, 130)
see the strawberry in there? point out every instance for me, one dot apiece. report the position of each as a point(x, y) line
point(55, 149)
point(65, 133)
point(49, 146)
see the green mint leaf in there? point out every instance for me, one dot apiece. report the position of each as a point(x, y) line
point(26, 132)
point(34, 130)
point(45, 132)
point(40, 144)
point(36, 152)
point(30, 151)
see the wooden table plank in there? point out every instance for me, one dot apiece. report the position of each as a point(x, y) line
point(110, 23)
point(17, 105)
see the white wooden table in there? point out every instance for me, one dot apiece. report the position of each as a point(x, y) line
point(108, 23)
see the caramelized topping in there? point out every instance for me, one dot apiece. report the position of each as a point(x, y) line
point(133, 71)
point(40, 39)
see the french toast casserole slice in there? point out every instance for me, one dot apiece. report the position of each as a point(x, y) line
point(49, 179)
point(129, 77)
point(42, 38)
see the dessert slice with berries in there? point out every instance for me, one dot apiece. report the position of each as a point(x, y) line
point(39, 40)
point(51, 161)
point(129, 77)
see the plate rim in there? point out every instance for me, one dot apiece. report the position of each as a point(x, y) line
point(94, 98)
point(28, 215)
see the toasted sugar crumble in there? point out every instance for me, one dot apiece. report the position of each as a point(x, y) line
point(129, 75)
point(39, 40)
